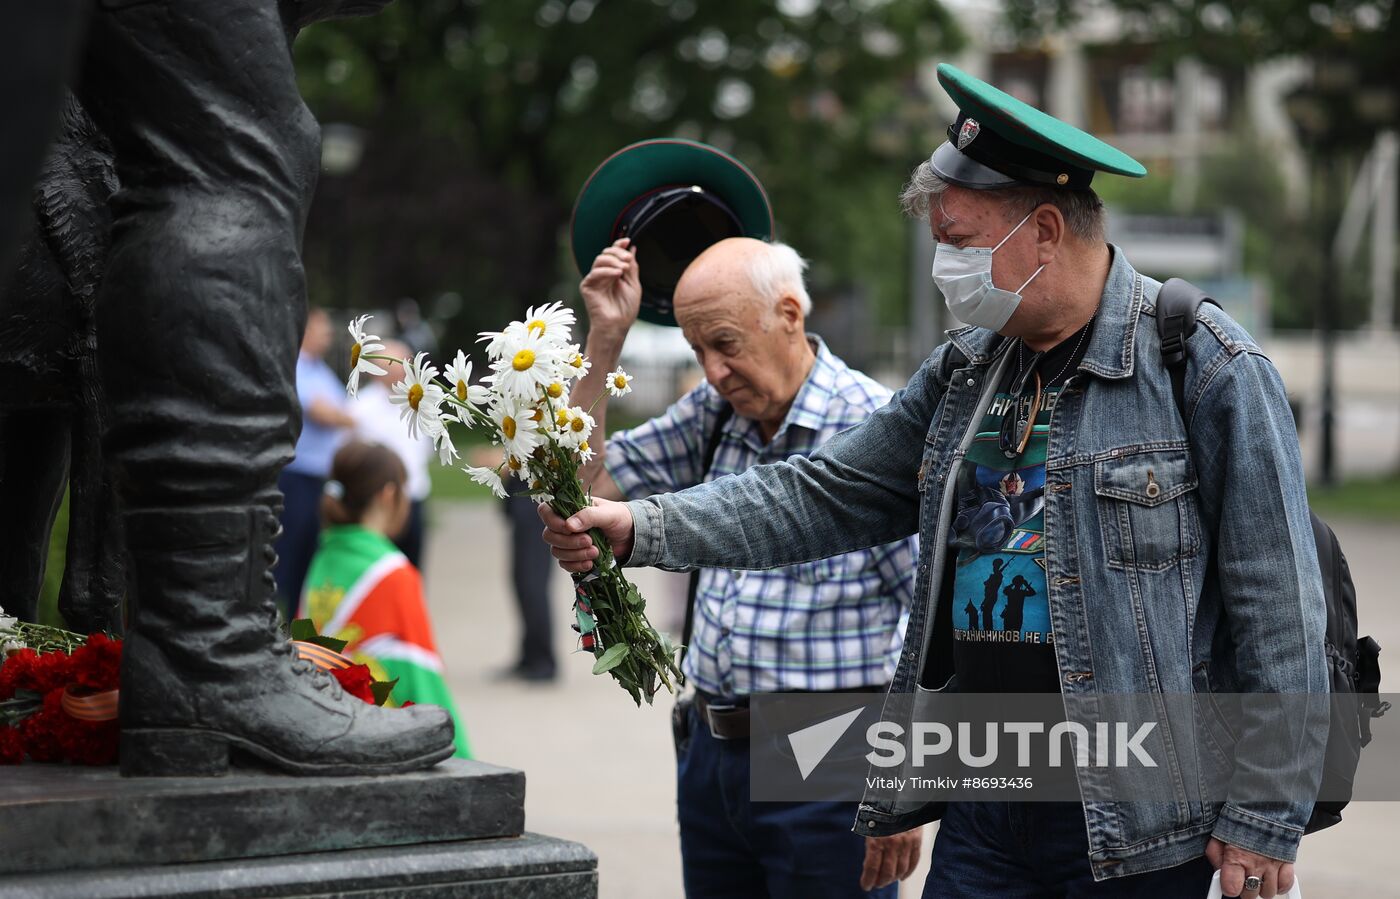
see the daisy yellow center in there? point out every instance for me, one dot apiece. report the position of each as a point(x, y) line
point(415, 396)
point(354, 355)
point(536, 325)
point(508, 427)
point(562, 418)
point(555, 390)
point(577, 361)
point(577, 424)
point(514, 463)
point(462, 391)
point(583, 447)
point(523, 360)
point(620, 382)
point(538, 415)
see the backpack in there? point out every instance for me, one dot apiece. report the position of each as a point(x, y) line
point(1353, 662)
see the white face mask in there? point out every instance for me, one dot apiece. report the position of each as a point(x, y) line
point(964, 276)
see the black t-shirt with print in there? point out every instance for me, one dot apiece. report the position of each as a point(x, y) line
point(1002, 639)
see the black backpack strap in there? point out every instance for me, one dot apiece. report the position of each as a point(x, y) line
point(726, 412)
point(1177, 303)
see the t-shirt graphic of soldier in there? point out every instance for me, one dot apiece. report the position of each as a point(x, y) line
point(1002, 639)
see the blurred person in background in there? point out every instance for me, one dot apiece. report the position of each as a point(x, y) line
point(531, 569)
point(325, 421)
point(360, 588)
point(530, 572)
point(413, 329)
point(377, 420)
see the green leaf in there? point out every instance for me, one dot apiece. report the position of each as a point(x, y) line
point(381, 690)
point(304, 629)
point(611, 658)
point(330, 643)
point(634, 597)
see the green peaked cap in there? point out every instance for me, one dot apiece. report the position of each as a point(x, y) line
point(998, 141)
point(643, 168)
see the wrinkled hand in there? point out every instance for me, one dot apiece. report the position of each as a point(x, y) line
point(892, 858)
point(1235, 864)
point(569, 540)
point(612, 290)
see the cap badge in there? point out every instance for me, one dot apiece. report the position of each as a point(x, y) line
point(968, 133)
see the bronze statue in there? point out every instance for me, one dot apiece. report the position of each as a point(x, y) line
point(50, 394)
point(199, 314)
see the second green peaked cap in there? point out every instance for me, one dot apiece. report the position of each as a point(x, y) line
point(703, 193)
point(999, 141)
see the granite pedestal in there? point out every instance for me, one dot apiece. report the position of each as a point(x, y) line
point(456, 830)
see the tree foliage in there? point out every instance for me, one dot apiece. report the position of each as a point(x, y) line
point(484, 117)
point(1354, 92)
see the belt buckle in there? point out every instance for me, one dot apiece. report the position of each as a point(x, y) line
point(710, 718)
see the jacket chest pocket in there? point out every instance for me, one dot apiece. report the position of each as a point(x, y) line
point(1147, 509)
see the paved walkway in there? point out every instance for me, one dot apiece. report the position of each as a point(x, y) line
point(602, 772)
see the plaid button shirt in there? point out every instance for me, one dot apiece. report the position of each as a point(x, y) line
point(831, 624)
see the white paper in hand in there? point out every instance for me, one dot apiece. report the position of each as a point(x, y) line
point(1215, 893)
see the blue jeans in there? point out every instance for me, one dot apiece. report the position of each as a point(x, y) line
point(733, 848)
point(1038, 850)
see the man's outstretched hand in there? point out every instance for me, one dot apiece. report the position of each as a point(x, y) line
point(569, 540)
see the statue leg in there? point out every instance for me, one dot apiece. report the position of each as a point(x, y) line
point(200, 317)
point(94, 579)
point(33, 472)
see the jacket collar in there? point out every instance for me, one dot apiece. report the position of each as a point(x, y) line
point(1110, 350)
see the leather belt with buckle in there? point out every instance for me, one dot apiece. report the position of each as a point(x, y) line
point(726, 720)
point(729, 720)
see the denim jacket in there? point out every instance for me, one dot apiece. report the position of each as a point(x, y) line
point(1179, 555)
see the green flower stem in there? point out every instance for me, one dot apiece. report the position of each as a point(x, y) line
point(617, 621)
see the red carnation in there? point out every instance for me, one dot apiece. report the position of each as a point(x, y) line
point(27, 670)
point(97, 664)
point(89, 742)
point(11, 746)
point(356, 680)
point(43, 730)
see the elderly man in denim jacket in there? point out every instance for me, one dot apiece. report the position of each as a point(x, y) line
point(1174, 556)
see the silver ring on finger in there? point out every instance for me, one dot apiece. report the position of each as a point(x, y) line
point(1253, 883)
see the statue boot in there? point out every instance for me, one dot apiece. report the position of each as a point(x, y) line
point(206, 673)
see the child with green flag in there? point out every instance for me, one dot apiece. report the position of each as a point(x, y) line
point(361, 589)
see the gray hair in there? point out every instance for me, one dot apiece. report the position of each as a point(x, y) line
point(1082, 209)
point(776, 271)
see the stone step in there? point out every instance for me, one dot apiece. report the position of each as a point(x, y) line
point(530, 866)
point(64, 818)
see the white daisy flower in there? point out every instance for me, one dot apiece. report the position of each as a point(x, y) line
point(575, 364)
point(487, 477)
point(516, 428)
point(557, 393)
point(459, 377)
point(552, 322)
point(518, 468)
point(361, 346)
point(585, 453)
point(528, 365)
point(537, 490)
point(420, 398)
point(447, 451)
point(577, 430)
point(619, 383)
point(496, 340)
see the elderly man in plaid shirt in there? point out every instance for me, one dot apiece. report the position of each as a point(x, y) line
point(771, 391)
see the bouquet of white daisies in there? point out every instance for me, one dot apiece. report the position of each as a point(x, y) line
point(524, 404)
